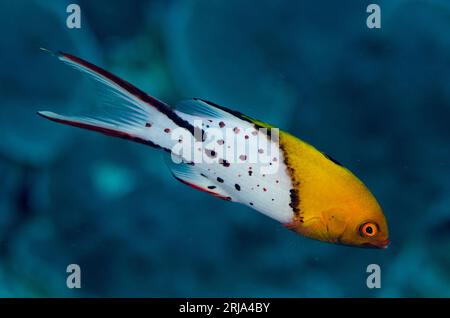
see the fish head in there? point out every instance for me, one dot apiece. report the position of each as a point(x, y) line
point(353, 215)
point(359, 222)
point(334, 206)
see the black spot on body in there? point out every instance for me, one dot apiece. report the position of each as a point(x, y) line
point(224, 163)
point(219, 180)
point(210, 153)
point(238, 187)
point(211, 187)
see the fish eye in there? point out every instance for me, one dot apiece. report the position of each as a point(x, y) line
point(368, 229)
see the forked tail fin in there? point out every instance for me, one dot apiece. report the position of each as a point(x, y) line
point(132, 114)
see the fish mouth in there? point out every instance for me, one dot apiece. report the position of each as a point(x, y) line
point(380, 245)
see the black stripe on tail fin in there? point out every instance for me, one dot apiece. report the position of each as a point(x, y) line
point(128, 87)
point(128, 92)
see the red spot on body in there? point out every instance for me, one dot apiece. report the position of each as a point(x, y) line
point(221, 124)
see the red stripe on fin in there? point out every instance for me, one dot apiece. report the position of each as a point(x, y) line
point(217, 195)
point(128, 87)
point(95, 125)
point(131, 93)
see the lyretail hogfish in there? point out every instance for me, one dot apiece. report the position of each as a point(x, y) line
point(240, 159)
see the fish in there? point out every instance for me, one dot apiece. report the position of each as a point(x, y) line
point(237, 158)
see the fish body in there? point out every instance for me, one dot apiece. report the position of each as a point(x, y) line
point(237, 158)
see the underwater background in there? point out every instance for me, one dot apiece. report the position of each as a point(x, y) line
point(378, 100)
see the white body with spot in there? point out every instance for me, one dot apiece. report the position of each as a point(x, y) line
point(255, 175)
point(242, 180)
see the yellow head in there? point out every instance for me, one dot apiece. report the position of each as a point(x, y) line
point(333, 205)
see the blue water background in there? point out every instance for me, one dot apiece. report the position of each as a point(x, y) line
point(378, 100)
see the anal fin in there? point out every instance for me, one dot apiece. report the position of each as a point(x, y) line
point(187, 174)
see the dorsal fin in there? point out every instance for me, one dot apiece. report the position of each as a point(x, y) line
point(201, 107)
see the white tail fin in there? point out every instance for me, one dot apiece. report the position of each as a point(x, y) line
point(133, 115)
point(125, 131)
